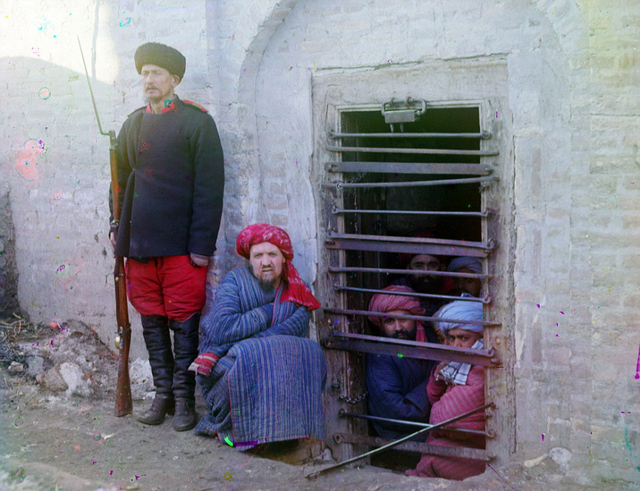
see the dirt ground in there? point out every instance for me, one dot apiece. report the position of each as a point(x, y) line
point(67, 439)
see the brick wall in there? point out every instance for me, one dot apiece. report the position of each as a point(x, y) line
point(572, 70)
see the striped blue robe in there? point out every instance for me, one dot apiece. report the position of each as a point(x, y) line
point(267, 385)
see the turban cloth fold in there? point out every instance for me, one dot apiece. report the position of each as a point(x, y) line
point(161, 55)
point(472, 263)
point(381, 302)
point(294, 288)
point(459, 311)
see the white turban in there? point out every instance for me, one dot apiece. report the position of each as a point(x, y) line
point(460, 311)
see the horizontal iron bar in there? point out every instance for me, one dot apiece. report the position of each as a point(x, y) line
point(336, 269)
point(397, 442)
point(370, 313)
point(407, 168)
point(407, 245)
point(345, 414)
point(409, 184)
point(421, 151)
point(359, 245)
point(409, 240)
point(463, 452)
point(421, 353)
point(482, 136)
point(482, 214)
point(485, 300)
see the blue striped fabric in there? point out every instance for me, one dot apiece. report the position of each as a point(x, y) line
point(268, 383)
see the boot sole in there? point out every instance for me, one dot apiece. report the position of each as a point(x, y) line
point(154, 422)
point(185, 428)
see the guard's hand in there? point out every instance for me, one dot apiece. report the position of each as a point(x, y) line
point(198, 260)
point(203, 364)
point(112, 239)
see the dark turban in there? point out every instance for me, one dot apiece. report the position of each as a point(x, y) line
point(295, 290)
point(472, 263)
point(161, 55)
point(381, 302)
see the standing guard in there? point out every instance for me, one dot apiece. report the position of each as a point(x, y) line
point(171, 166)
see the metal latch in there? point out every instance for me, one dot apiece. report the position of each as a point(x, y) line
point(403, 111)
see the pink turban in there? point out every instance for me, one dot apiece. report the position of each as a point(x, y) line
point(294, 288)
point(386, 303)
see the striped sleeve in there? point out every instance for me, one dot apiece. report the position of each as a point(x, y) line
point(227, 321)
point(296, 324)
point(460, 399)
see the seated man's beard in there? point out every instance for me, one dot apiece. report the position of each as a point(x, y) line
point(266, 285)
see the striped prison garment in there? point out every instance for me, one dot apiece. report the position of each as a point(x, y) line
point(449, 401)
point(267, 385)
point(397, 388)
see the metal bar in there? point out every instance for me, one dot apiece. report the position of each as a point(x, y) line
point(404, 343)
point(359, 245)
point(345, 414)
point(421, 151)
point(482, 136)
point(486, 299)
point(485, 213)
point(410, 240)
point(407, 245)
point(444, 352)
point(408, 184)
point(370, 313)
point(419, 447)
point(407, 168)
point(421, 353)
point(336, 269)
point(397, 442)
point(93, 99)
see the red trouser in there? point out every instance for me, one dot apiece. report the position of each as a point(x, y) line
point(167, 286)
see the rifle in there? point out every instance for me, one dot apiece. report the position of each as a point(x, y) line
point(124, 405)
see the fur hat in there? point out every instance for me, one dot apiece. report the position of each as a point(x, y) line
point(161, 55)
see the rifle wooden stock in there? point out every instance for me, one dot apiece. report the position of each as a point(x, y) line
point(124, 404)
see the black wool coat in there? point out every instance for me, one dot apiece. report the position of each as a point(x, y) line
point(171, 169)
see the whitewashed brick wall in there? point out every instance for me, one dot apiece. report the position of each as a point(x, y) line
point(573, 81)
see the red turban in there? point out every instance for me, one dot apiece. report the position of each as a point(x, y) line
point(386, 303)
point(294, 288)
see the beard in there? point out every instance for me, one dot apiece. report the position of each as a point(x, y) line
point(266, 282)
point(424, 284)
point(409, 335)
point(266, 285)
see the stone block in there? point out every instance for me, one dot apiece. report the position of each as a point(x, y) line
point(52, 380)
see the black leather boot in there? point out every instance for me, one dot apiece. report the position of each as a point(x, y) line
point(155, 330)
point(185, 340)
point(161, 406)
point(186, 417)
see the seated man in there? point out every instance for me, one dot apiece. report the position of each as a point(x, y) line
point(455, 388)
point(397, 385)
point(260, 375)
point(466, 264)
